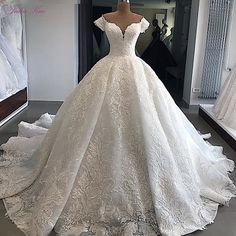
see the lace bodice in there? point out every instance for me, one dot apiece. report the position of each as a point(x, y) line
point(122, 43)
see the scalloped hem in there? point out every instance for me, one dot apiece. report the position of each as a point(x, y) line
point(207, 215)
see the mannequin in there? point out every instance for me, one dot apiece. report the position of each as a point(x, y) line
point(157, 30)
point(164, 29)
point(123, 16)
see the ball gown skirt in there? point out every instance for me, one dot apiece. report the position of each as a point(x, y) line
point(225, 106)
point(158, 56)
point(119, 158)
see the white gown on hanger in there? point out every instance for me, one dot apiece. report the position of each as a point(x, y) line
point(11, 26)
point(119, 158)
point(225, 107)
point(8, 80)
point(11, 42)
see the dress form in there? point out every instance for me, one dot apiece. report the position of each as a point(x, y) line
point(123, 16)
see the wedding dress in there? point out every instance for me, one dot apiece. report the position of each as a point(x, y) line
point(119, 158)
point(225, 106)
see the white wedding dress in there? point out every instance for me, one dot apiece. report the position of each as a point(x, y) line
point(119, 158)
point(225, 106)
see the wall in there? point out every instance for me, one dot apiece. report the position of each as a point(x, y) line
point(52, 49)
point(196, 50)
point(191, 51)
point(200, 45)
point(170, 19)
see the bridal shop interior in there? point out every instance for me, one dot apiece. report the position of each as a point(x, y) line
point(47, 48)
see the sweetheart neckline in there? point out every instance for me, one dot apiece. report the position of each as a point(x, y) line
point(122, 32)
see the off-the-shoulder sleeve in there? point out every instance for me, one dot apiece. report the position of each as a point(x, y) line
point(100, 23)
point(144, 25)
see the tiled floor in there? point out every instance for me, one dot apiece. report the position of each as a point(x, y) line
point(225, 222)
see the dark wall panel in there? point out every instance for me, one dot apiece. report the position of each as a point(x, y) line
point(12, 103)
